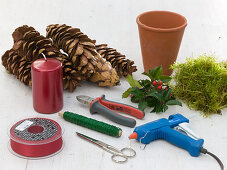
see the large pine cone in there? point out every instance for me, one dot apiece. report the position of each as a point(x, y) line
point(21, 68)
point(71, 77)
point(17, 66)
point(81, 51)
point(29, 45)
point(118, 61)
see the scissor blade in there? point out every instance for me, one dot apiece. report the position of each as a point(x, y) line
point(87, 138)
point(84, 99)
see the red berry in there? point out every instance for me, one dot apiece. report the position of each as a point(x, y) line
point(171, 95)
point(159, 87)
point(131, 95)
point(155, 83)
point(166, 88)
point(160, 83)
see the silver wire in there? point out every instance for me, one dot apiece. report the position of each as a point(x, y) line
point(44, 56)
point(141, 139)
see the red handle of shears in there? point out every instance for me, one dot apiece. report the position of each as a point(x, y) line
point(121, 107)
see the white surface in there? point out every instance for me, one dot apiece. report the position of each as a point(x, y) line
point(113, 22)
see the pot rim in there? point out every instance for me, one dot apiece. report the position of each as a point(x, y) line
point(161, 29)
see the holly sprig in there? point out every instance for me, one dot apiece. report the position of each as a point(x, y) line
point(153, 92)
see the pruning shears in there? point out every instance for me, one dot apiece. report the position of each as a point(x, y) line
point(106, 108)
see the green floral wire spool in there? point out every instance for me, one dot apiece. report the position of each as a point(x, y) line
point(91, 124)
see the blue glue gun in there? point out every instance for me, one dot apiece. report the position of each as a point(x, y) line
point(174, 130)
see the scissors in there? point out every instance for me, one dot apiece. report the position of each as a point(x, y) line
point(118, 156)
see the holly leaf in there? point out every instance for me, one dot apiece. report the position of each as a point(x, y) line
point(146, 74)
point(135, 99)
point(133, 82)
point(167, 94)
point(152, 91)
point(174, 102)
point(156, 72)
point(151, 101)
point(164, 79)
point(136, 92)
point(159, 108)
point(165, 107)
point(142, 105)
point(157, 96)
point(126, 93)
point(145, 83)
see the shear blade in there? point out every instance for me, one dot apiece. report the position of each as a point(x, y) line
point(84, 99)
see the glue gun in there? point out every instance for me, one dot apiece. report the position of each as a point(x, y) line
point(174, 130)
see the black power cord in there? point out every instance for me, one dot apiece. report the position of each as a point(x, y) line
point(204, 151)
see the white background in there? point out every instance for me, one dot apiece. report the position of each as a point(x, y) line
point(113, 22)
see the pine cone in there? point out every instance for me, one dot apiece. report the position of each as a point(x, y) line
point(118, 61)
point(31, 45)
point(21, 68)
point(18, 33)
point(105, 74)
point(18, 66)
point(81, 51)
point(71, 77)
point(78, 47)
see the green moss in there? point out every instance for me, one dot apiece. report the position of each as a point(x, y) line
point(201, 83)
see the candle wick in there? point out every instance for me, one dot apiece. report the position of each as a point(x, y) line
point(44, 57)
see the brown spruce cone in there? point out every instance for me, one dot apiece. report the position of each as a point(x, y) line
point(105, 74)
point(81, 51)
point(71, 77)
point(78, 47)
point(21, 68)
point(20, 31)
point(29, 45)
point(118, 61)
point(17, 66)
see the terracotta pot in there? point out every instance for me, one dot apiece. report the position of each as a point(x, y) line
point(160, 33)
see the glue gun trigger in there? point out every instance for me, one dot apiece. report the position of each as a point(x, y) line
point(179, 129)
point(184, 128)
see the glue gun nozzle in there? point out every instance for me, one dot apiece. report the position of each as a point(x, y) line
point(134, 135)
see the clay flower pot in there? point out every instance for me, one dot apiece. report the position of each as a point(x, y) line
point(160, 33)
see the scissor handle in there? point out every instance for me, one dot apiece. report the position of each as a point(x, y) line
point(115, 156)
point(123, 155)
point(129, 150)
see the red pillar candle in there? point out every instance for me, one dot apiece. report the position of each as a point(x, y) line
point(47, 86)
